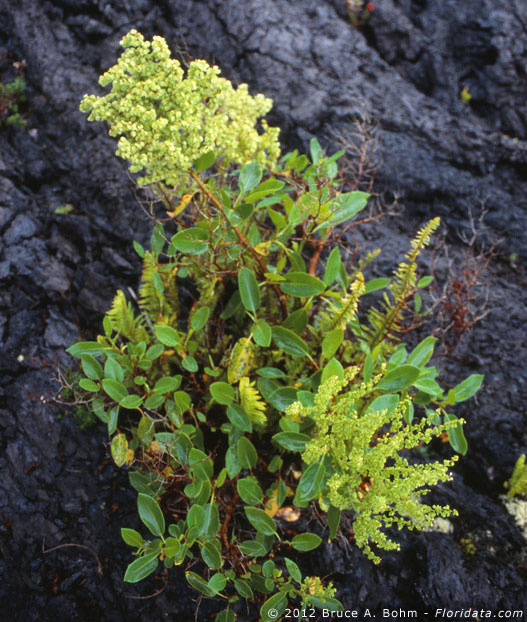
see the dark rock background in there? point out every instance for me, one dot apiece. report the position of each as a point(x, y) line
point(405, 67)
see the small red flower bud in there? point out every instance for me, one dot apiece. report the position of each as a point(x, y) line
point(370, 6)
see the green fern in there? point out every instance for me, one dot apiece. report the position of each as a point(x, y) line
point(386, 322)
point(342, 312)
point(124, 321)
point(158, 293)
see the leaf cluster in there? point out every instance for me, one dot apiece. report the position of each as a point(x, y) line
point(246, 384)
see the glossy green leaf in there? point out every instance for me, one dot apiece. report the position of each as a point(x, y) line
point(141, 568)
point(89, 385)
point(167, 384)
point(90, 347)
point(333, 521)
point(222, 393)
point(193, 241)
point(167, 335)
point(262, 333)
point(199, 318)
point(131, 402)
point(243, 588)
point(375, 284)
point(332, 368)
point(190, 364)
point(456, 436)
point(289, 342)
point(205, 161)
point(274, 606)
point(293, 570)
point(252, 548)
point(91, 367)
point(292, 441)
point(211, 554)
point(249, 291)
point(151, 515)
point(132, 537)
point(332, 342)
point(282, 398)
point(302, 285)
point(260, 521)
point(306, 542)
point(422, 353)
point(246, 452)
point(310, 484)
point(239, 418)
point(250, 176)
point(249, 490)
point(466, 389)
point(346, 206)
point(195, 581)
point(116, 390)
point(333, 266)
point(399, 378)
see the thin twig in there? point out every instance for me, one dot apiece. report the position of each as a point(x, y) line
point(79, 546)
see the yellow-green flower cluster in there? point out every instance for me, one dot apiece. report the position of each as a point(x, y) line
point(368, 474)
point(166, 121)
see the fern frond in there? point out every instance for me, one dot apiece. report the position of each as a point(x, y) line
point(252, 401)
point(158, 291)
point(342, 312)
point(385, 322)
point(124, 321)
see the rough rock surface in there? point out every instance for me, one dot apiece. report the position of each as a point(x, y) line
point(405, 67)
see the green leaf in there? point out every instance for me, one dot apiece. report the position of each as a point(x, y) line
point(270, 372)
point(217, 582)
point(306, 542)
point(456, 436)
point(289, 342)
point(113, 370)
point(332, 342)
point(428, 385)
point(131, 402)
point(333, 266)
point(190, 364)
point(387, 402)
point(167, 384)
point(199, 318)
point(332, 368)
point(172, 546)
point(210, 552)
point(315, 150)
point(116, 390)
point(425, 281)
point(205, 161)
point(151, 515)
point(192, 241)
point(293, 441)
point(119, 449)
point(91, 367)
point(260, 521)
point(249, 291)
point(262, 333)
point(113, 417)
point(91, 347)
point(167, 335)
point(346, 206)
point(252, 548)
point(297, 321)
point(399, 378)
point(200, 463)
point(375, 284)
point(239, 418)
point(243, 588)
point(247, 454)
point(422, 353)
point(227, 615)
point(310, 484)
point(250, 176)
point(199, 584)
point(132, 537)
point(333, 521)
point(302, 285)
point(273, 607)
point(293, 570)
point(89, 385)
point(138, 249)
point(464, 390)
point(222, 393)
point(141, 568)
point(249, 490)
point(282, 398)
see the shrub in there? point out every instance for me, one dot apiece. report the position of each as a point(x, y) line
point(245, 387)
